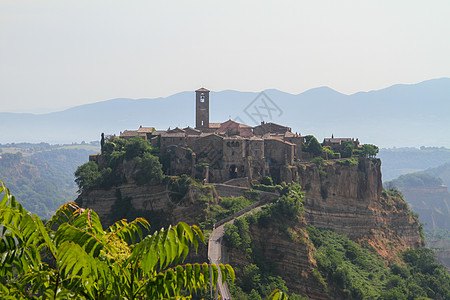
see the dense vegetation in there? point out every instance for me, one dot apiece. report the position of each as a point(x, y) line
point(145, 162)
point(312, 146)
point(356, 269)
point(41, 175)
point(362, 274)
point(73, 257)
point(256, 279)
point(414, 180)
point(227, 206)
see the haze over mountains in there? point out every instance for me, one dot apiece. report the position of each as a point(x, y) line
point(400, 115)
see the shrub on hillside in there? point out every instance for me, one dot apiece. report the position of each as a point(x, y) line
point(267, 180)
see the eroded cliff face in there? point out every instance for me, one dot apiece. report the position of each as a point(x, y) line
point(346, 198)
point(349, 200)
point(289, 256)
point(150, 201)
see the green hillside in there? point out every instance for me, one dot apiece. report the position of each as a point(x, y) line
point(41, 175)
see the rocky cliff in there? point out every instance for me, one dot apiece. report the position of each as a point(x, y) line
point(341, 195)
point(349, 199)
point(289, 256)
point(151, 201)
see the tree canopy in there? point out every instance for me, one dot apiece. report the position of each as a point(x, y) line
point(313, 145)
point(347, 150)
point(369, 150)
point(146, 168)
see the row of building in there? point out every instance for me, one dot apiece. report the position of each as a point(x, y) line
point(226, 150)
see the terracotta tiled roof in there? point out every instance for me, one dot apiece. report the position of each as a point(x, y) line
point(145, 129)
point(202, 90)
point(214, 125)
point(234, 122)
point(129, 133)
point(276, 124)
point(192, 131)
point(175, 130)
point(271, 123)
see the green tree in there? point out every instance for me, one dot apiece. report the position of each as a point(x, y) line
point(148, 169)
point(231, 236)
point(110, 171)
point(313, 146)
point(347, 149)
point(251, 278)
point(369, 150)
point(87, 176)
point(308, 138)
point(136, 146)
point(73, 257)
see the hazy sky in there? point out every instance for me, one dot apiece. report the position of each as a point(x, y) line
point(60, 53)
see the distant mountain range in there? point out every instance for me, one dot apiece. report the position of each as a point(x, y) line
point(400, 115)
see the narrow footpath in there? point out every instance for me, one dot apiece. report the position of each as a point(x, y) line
point(216, 248)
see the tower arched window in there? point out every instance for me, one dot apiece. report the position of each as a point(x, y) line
point(202, 97)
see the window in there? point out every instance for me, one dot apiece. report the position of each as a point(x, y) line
point(202, 97)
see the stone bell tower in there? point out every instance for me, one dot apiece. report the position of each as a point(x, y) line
point(202, 108)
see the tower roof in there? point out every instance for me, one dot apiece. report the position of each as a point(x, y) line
point(202, 90)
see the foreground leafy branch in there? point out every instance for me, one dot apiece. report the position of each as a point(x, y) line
point(73, 257)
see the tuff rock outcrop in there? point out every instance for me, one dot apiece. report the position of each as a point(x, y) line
point(347, 198)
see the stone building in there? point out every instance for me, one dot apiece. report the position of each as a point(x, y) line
point(223, 151)
point(144, 132)
point(337, 144)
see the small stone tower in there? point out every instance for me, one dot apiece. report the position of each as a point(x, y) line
point(201, 108)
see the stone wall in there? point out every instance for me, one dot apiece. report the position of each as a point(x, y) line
point(241, 182)
point(224, 190)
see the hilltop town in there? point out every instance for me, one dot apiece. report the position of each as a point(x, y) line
point(283, 190)
point(229, 150)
